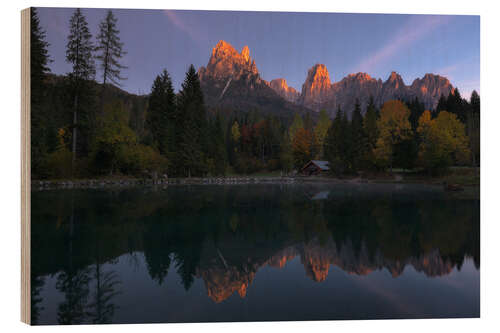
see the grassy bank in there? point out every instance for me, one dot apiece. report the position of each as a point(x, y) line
point(463, 176)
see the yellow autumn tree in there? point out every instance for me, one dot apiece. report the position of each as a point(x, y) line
point(393, 127)
point(302, 146)
point(235, 132)
point(321, 129)
point(443, 141)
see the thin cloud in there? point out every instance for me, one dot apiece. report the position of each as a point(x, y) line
point(449, 70)
point(180, 24)
point(416, 28)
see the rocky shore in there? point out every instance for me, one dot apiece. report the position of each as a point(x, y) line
point(40, 185)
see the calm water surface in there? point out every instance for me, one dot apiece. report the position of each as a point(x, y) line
point(253, 253)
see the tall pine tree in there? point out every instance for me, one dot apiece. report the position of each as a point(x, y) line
point(455, 104)
point(109, 51)
point(357, 137)
point(473, 127)
point(79, 55)
point(191, 128)
point(161, 114)
point(371, 132)
point(39, 60)
point(335, 144)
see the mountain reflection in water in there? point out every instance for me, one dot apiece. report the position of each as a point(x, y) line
point(98, 254)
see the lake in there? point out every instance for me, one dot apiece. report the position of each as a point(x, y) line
point(211, 253)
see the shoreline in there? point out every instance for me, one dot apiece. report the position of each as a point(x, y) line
point(44, 185)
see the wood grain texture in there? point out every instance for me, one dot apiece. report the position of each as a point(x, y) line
point(25, 168)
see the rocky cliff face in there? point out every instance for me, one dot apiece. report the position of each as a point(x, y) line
point(281, 87)
point(429, 88)
point(317, 89)
point(225, 62)
point(231, 80)
point(393, 88)
point(318, 93)
point(354, 87)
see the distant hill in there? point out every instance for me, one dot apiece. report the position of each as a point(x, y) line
point(59, 103)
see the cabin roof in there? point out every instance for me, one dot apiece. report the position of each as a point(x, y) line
point(323, 165)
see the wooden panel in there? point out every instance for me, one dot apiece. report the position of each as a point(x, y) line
point(25, 168)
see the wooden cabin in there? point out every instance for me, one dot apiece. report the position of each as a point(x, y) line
point(314, 167)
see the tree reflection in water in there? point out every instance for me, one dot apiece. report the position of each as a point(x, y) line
point(225, 234)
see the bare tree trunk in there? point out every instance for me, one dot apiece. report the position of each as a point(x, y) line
point(103, 91)
point(75, 121)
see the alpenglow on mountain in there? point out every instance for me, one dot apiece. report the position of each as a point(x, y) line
point(231, 79)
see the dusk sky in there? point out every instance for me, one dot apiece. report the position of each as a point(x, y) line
point(284, 44)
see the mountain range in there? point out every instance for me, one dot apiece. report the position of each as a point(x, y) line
point(231, 80)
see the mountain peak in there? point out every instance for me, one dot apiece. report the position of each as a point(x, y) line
point(395, 77)
point(430, 87)
point(319, 72)
point(395, 84)
point(226, 62)
point(223, 50)
point(245, 53)
point(317, 87)
point(360, 76)
point(281, 87)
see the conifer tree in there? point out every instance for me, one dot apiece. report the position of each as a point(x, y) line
point(334, 145)
point(475, 102)
point(346, 143)
point(370, 124)
point(473, 127)
point(416, 110)
point(161, 114)
point(455, 104)
point(109, 52)
point(79, 55)
point(357, 137)
point(441, 105)
point(371, 133)
point(39, 60)
point(191, 127)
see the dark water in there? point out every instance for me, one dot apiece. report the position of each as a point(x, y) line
point(254, 252)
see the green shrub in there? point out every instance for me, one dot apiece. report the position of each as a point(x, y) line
point(58, 164)
point(136, 159)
